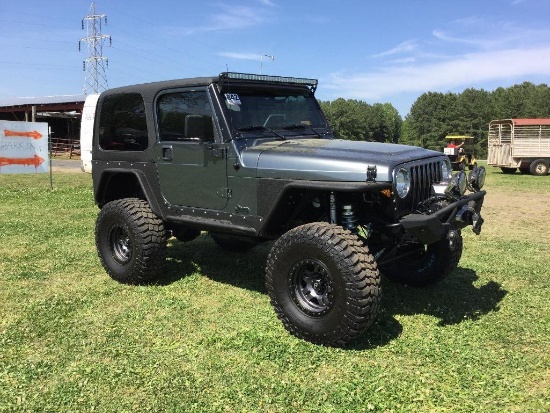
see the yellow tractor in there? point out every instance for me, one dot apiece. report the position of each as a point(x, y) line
point(460, 150)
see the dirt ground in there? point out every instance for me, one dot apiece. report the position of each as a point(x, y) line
point(519, 215)
point(66, 165)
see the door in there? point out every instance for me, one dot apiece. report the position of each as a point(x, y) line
point(191, 165)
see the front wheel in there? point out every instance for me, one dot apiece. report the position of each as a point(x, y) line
point(130, 240)
point(420, 265)
point(323, 283)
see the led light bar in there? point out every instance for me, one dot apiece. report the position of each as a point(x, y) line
point(311, 83)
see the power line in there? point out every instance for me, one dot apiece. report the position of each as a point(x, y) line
point(95, 80)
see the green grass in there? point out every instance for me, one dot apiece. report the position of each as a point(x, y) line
point(206, 338)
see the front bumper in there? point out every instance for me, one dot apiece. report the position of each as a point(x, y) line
point(431, 227)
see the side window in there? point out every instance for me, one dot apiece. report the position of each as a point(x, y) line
point(122, 124)
point(185, 116)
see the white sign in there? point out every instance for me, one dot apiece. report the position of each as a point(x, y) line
point(23, 147)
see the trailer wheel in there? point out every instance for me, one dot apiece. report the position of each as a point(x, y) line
point(539, 167)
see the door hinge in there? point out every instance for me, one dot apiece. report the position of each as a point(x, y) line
point(219, 152)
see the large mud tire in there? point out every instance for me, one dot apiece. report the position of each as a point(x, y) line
point(323, 284)
point(423, 265)
point(131, 241)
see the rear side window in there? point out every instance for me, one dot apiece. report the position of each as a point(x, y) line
point(122, 124)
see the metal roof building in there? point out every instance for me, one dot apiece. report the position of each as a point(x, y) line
point(21, 109)
point(62, 113)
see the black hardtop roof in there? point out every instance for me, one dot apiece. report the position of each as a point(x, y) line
point(154, 87)
point(225, 79)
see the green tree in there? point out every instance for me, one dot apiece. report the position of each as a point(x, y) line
point(346, 118)
point(433, 116)
point(384, 123)
point(356, 120)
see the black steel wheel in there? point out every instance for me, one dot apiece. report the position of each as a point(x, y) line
point(120, 244)
point(130, 241)
point(311, 287)
point(323, 283)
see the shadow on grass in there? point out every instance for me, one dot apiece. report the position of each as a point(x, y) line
point(243, 270)
point(452, 301)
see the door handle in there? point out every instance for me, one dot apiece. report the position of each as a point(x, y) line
point(167, 154)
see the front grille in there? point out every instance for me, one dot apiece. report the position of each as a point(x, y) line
point(422, 178)
point(423, 175)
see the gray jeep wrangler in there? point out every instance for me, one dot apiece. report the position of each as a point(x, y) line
point(251, 158)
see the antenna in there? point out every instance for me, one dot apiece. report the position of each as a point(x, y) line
point(95, 79)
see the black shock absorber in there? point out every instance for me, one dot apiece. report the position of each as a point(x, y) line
point(348, 218)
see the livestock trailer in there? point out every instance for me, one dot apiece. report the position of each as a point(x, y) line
point(522, 144)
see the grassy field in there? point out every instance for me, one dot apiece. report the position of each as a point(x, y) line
point(205, 338)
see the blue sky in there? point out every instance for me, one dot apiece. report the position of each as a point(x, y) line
point(372, 50)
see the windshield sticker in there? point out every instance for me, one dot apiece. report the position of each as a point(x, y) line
point(232, 99)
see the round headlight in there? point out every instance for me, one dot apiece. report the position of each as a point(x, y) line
point(402, 182)
point(462, 182)
point(476, 178)
point(457, 186)
point(446, 170)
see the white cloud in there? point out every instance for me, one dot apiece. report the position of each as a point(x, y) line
point(231, 18)
point(406, 46)
point(463, 71)
point(241, 56)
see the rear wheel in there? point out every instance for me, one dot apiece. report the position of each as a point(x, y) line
point(539, 167)
point(323, 283)
point(130, 240)
point(421, 265)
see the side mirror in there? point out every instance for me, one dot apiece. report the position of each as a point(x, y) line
point(194, 127)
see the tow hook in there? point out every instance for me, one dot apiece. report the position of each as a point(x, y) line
point(452, 236)
point(477, 222)
point(469, 215)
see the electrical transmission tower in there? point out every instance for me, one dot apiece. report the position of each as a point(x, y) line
point(95, 79)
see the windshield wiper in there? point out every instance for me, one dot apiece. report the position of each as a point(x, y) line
point(254, 128)
point(301, 126)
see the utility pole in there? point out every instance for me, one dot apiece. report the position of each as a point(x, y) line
point(262, 60)
point(95, 79)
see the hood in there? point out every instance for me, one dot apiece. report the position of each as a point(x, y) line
point(329, 160)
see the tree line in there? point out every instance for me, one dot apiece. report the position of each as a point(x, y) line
point(435, 115)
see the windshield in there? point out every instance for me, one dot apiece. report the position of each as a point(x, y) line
point(280, 114)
